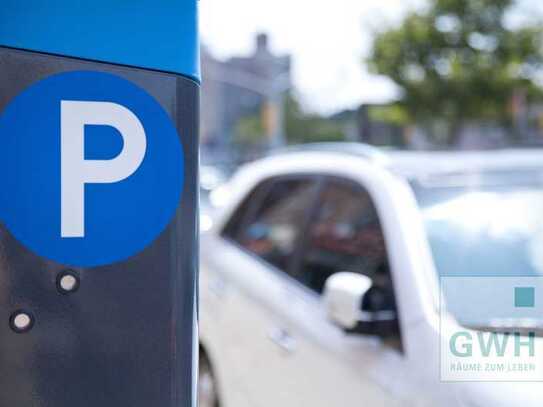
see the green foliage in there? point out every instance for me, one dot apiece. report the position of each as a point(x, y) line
point(393, 114)
point(306, 128)
point(249, 131)
point(300, 127)
point(459, 61)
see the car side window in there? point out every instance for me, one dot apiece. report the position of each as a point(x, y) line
point(344, 235)
point(243, 212)
point(272, 231)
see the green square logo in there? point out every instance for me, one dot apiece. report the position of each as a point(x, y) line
point(524, 297)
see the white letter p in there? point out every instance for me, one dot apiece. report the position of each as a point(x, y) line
point(76, 171)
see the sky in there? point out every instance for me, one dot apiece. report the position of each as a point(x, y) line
point(327, 40)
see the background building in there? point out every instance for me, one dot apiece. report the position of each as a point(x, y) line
point(241, 87)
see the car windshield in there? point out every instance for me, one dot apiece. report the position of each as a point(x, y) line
point(483, 225)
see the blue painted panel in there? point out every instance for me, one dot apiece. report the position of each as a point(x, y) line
point(152, 34)
point(119, 219)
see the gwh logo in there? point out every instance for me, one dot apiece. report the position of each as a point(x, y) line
point(491, 344)
point(489, 329)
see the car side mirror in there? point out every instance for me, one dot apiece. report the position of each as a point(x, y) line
point(344, 296)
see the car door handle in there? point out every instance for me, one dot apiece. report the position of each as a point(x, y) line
point(282, 339)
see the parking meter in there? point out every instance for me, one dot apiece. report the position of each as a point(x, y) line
point(98, 203)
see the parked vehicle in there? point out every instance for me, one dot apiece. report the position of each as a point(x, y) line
point(320, 275)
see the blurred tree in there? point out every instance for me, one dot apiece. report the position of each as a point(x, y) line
point(249, 131)
point(393, 114)
point(249, 138)
point(459, 61)
point(302, 127)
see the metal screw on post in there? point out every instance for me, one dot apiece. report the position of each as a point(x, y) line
point(21, 321)
point(68, 282)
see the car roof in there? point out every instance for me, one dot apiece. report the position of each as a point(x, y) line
point(413, 164)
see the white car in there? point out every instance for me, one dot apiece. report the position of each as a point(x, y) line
point(320, 276)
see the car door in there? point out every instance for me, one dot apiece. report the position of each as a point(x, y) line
point(244, 270)
point(324, 366)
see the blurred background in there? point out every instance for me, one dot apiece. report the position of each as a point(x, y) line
point(446, 95)
point(415, 74)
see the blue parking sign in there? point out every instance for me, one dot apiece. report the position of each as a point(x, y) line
point(99, 168)
point(99, 107)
